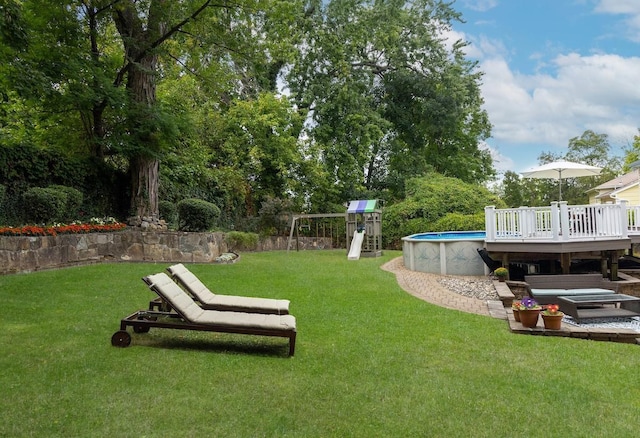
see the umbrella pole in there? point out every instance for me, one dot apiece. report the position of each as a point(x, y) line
point(560, 185)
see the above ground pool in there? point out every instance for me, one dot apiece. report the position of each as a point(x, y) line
point(445, 253)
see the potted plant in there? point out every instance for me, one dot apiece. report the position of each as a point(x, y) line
point(515, 306)
point(501, 273)
point(529, 311)
point(552, 317)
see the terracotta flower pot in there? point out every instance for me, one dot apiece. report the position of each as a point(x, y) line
point(529, 318)
point(516, 315)
point(552, 322)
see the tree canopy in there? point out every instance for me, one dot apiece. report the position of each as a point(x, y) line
point(388, 98)
point(190, 98)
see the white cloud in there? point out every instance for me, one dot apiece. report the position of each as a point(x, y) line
point(481, 5)
point(630, 8)
point(596, 92)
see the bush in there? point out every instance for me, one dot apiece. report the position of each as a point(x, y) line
point(169, 212)
point(197, 215)
point(460, 222)
point(237, 240)
point(44, 205)
point(104, 184)
point(436, 203)
point(74, 199)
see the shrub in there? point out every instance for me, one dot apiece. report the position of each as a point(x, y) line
point(237, 240)
point(168, 212)
point(436, 203)
point(44, 205)
point(460, 222)
point(74, 199)
point(197, 215)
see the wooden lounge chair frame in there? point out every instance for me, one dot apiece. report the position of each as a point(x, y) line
point(143, 320)
point(210, 301)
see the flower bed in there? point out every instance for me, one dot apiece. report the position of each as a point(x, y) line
point(95, 226)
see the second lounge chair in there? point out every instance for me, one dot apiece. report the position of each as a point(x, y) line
point(210, 301)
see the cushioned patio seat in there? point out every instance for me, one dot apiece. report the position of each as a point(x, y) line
point(186, 314)
point(211, 301)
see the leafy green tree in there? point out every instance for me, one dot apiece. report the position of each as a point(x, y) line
point(388, 99)
point(632, 154)
point(103, 60)
point(512, 190)
point(259, 138)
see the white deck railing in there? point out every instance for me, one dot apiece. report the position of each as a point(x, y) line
point(562, 223)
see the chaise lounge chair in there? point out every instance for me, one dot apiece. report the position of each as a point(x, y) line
point(188, 315)
point(210, 301)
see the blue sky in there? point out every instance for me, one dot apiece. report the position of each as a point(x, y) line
point(553, 69)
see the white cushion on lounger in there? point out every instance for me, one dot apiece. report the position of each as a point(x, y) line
point(187, 307)
point(208, 298)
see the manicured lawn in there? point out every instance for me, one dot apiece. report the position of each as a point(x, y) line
point(371, 361)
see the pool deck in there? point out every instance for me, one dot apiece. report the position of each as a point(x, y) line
point(426, 287)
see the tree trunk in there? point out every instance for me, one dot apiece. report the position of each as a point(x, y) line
point(143, 167)
point(144, 187)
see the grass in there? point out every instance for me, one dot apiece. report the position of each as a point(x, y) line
point(371, 361)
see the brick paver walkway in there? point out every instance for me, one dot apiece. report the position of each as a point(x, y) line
point(426, 287)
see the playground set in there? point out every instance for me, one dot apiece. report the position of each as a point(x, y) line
point(363, 223)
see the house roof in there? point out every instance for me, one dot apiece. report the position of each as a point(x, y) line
point(622, 189)
point(618, 182)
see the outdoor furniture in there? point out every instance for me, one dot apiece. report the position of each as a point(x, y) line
point(607, 306)
point(210, 301)
point(486, 258)
point(188, 315)
point(546, 289)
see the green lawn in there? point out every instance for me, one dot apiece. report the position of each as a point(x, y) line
point(371, 361)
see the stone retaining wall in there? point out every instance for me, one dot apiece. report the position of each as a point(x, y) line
point(25, 253)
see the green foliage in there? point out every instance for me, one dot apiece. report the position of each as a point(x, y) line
point(437, 203)
point(239, 240)
point(169, 212)
point(23, 166)
point(512, 190)
point(274, 216)
point(391, 100)
point(73, 201)
point(459, 222)
point(44, 205)
point(258, 138)
point(197, 215)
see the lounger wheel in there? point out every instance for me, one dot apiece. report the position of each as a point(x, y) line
point(141, 329)
point(121, 339)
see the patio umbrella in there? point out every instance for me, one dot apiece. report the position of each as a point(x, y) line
point(562, 169)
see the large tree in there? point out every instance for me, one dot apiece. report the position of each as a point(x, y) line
point(389, 98)
point(103, 60)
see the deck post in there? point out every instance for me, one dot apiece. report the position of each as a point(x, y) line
point(564, 220)
point(555, 221)
point(624, 213)
point(490, 223)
